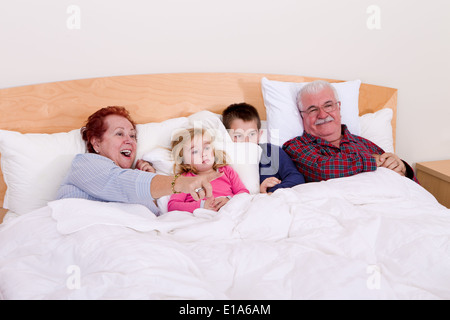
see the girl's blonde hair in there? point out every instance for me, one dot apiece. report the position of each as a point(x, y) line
point(183, 138)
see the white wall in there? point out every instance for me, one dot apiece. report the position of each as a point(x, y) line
point(326, 38)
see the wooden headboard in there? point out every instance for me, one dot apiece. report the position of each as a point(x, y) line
point(64, 106)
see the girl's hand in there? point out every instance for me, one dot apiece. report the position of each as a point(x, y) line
point(145, 166)
point(220, 202)
point(215, 203)
point(210, 204)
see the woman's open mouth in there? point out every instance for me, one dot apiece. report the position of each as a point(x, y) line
point(126, 153)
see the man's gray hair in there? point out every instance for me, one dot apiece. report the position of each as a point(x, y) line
point(314, 88)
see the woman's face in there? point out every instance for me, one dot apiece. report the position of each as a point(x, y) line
point(118, 143)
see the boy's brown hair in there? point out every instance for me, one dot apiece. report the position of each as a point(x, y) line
point(243, 111)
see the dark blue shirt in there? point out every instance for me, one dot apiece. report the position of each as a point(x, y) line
point(276, 163)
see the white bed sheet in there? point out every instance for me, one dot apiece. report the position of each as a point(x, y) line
point(371, 236)
point(9, 216)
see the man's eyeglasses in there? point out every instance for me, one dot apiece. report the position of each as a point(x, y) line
point(327, 107)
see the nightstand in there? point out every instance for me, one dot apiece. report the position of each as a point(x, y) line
point(435, 177)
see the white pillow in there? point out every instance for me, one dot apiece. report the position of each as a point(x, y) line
point(244, 159)
point(157, 134)
point(161, 159)
point(283, 118)
point(211, 121)
point(377, 127)
point(34, 166)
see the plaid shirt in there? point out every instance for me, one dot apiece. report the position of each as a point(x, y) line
point(317, 159)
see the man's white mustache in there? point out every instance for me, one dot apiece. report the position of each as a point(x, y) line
point(322, 121)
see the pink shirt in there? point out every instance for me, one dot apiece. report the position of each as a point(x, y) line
point(228, 184)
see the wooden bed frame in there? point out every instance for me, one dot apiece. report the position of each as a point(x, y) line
point(64, 106)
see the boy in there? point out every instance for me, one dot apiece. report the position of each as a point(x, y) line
point(276, 169)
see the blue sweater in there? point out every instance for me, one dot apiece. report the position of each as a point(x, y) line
point(275, 162)
point(94, 177)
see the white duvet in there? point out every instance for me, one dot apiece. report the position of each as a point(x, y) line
point(371, 236)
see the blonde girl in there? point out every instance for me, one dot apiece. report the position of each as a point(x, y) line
point(195, 155)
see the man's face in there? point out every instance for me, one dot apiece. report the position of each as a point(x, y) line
point(322, 124)
point(244, 131)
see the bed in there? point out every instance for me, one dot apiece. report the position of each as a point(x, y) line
point(374, 235)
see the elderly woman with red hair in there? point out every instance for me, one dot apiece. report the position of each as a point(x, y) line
point(105, 173)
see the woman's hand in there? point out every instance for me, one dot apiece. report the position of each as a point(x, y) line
point(145, 166)
point(199, 187)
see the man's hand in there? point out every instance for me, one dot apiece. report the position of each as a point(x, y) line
point(390, 161)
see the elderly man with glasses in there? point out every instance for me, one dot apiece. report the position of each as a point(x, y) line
point(327, 149)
